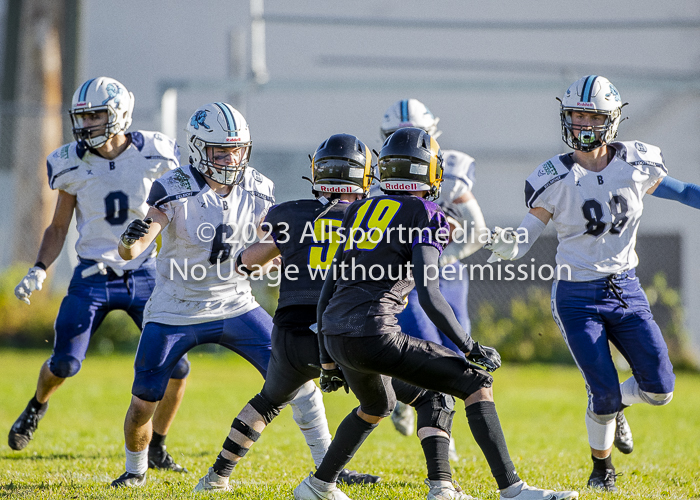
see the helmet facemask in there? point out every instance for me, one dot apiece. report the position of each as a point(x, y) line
point(218, 171)
point(590, 137)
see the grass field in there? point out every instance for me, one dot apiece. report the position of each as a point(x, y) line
point(79, 448)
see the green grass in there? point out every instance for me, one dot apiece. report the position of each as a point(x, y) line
point(79, 447)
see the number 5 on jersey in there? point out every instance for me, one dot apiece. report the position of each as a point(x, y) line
point(326, 234)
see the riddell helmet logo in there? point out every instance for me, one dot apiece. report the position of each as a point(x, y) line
point(585, 104)
point(233, 139)
point(334, 189)
point(81, 104)
point(403, 186)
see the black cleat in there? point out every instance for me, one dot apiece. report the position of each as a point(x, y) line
point(603, 480)
point(25, 426)
point(129, 480)
point(159, 458)
point(353, 477)
point(623, 434)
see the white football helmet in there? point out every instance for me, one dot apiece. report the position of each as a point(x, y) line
point(218, 125)
point(101, 94)
point(409, 113)
point(593, 94)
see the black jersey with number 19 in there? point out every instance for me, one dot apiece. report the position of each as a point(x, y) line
point(374, 275)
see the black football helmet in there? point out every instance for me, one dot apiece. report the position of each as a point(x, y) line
point(410, 160)
point(342, 164)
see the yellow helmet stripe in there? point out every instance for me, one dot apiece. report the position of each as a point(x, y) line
point(432, 170)
point(367, 179)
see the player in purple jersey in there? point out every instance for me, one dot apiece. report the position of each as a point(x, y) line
point(593, 197)
point(392, 243)
point(466, 223)
point(104, 179)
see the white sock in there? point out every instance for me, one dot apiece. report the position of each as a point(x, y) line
point(136, 461)
point(310, 415)
point(600, 436)
point(630, 392)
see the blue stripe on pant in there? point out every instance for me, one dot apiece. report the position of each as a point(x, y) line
point(589, 315)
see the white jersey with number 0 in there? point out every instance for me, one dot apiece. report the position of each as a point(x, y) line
point(196, 281)
point(596, 214)
point(111, 193)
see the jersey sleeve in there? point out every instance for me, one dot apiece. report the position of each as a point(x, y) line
point(275, 224)
point(541, 184)
point(435, 230)
point(458, 175)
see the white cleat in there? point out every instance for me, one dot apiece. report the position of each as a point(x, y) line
point(531, 493)
point(307, 491)
point(446, 490)
point(403, 418)
point(212, 482)
point(452, 452)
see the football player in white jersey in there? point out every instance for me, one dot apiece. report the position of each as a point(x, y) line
point(206, 212)
point(593, 197)
point(104, 177)
point(466, 223)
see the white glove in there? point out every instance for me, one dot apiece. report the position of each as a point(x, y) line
point(32, 281)
point(503, 243)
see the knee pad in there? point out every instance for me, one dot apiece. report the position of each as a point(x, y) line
point(65, 367)
point(181, 370)
point(656, 399)
point(266, 410)
point(435, 409)
point(307, 406)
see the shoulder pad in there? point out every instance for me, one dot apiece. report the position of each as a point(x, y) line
point(154, 145)
point(60, 162)
point(457, 164)
point(173, 185)
point(258, 185)
point(544, 176)
point(641, 155)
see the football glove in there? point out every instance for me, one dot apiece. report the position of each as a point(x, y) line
point(487, 357)
point(32, 281)
point(332, 380)
point(136, 230)
point(503, 243)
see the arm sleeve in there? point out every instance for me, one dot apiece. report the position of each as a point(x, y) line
point(683, 192)
point(466, 236)
point(324, 299)
point(426, 275)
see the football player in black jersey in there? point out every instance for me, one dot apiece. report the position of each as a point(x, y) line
point(390, 241)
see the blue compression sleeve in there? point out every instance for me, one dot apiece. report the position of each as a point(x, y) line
point(684, 192)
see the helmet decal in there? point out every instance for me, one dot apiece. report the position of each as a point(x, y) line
point(613, 92)
point(198, 119)
point(113, 94)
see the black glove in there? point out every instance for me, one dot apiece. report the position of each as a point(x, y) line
point(487, 357)
point(332, 380)
point(136, 230)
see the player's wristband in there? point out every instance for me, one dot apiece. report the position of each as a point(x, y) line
point(240, 266)
point(40, 265)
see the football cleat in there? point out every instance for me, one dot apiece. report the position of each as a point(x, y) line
point(307, 491)
point(603, 480)
point(25, 426)
point(129, 480)
point(403, 418)
point(353, 477)
point(212, 482)
point(623, 434)
point(531, 493)
point(159, 458)
point(446, 490)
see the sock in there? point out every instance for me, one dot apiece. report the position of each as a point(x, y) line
point(34, 403)
point(487, 432)
point(603, 463)
point(136, 461)
point(436, 451)
point(223, 466)
point(157, 439)
point(350, 435)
